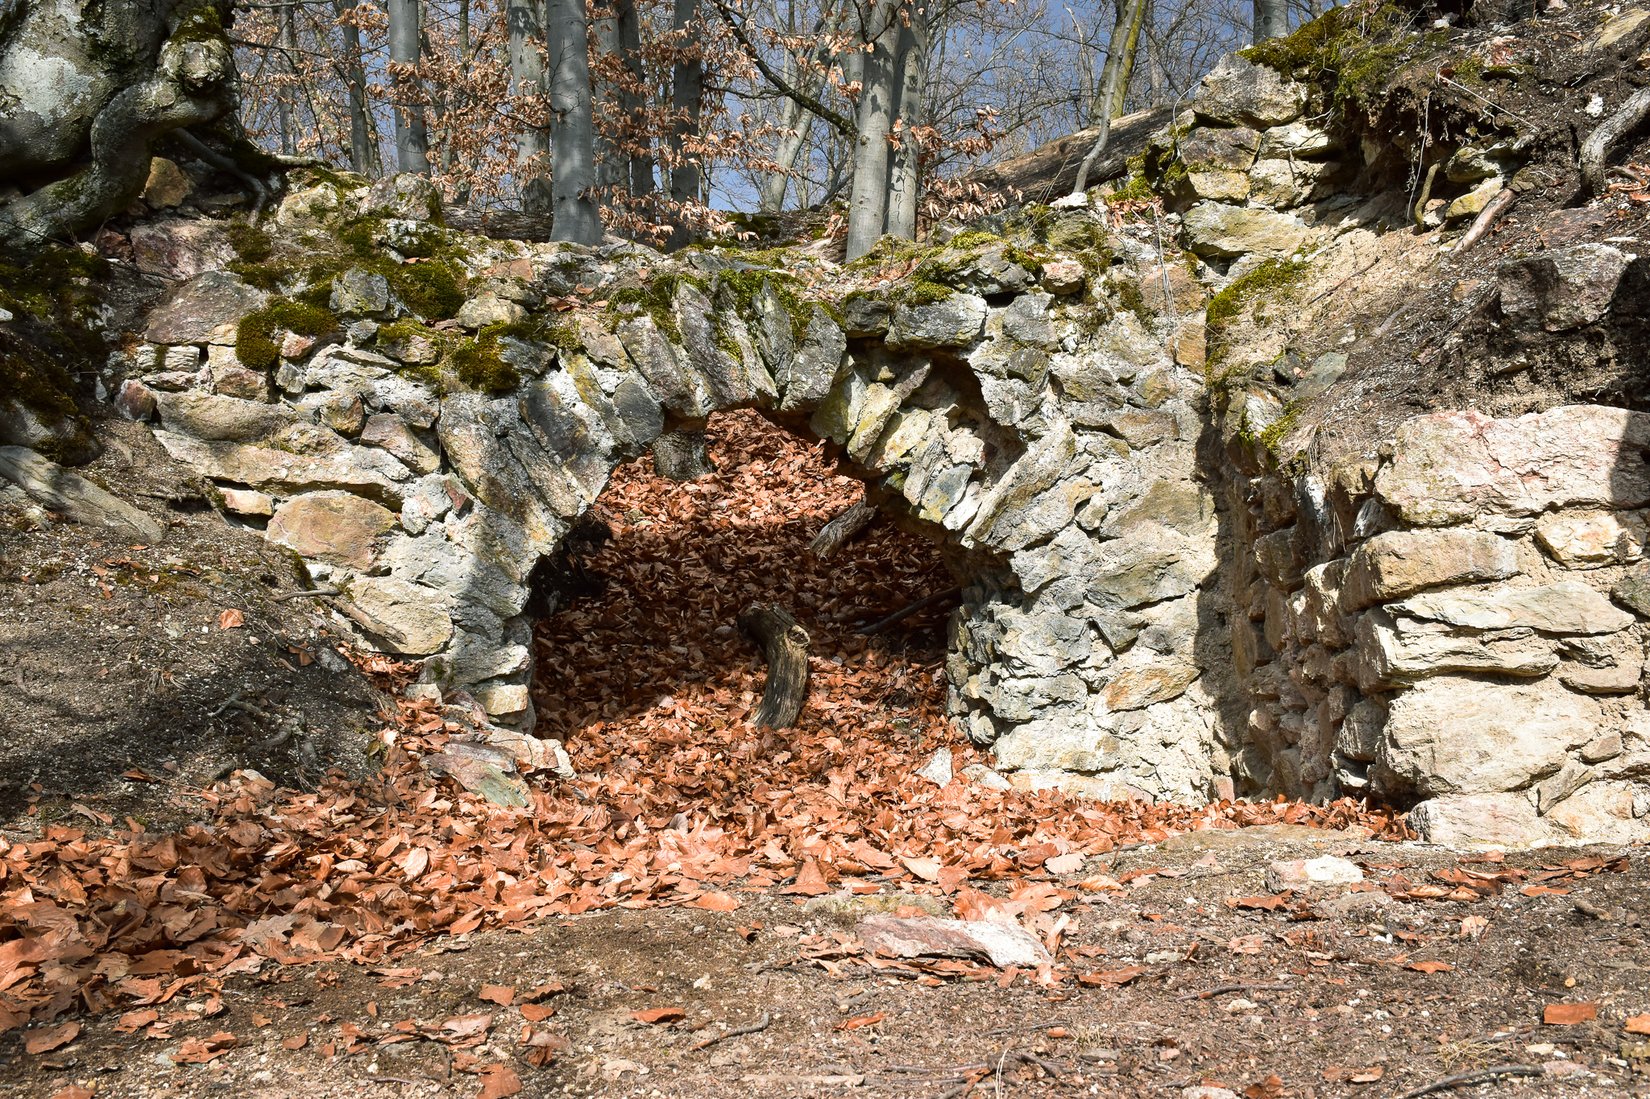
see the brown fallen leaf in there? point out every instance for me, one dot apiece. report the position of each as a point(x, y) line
point(56, 1037)
point(73, 1091)
point(715, 902)
point(859, 1021)
point(198, 1051)
point(1539, 890)
point(536, 1013)
point(1337, 1074)
point(1111, 978)
point(1068, 863)
point(230, 619)
point(1636, 1024)
point(810, 882)
point(297, 1041)
point(654, 1015)
point(502, 995)
point(1268, 903)
point(1429, 967)
point(498, 1082)
point(1569, 1014)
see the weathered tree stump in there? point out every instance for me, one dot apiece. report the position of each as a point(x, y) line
point(841, 530)
point(784, 645)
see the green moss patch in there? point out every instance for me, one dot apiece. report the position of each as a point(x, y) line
point(1270, 281)
point(1353, 51)
point(255, 343)
point(480, 366)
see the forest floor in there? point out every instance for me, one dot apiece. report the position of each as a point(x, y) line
point(687, 917)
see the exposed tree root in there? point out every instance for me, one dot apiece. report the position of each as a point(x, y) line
point(784, 645)
point(1595, 151)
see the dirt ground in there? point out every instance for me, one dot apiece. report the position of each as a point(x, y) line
point(1167, 985)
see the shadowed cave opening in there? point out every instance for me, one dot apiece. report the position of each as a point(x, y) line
point(645, 670)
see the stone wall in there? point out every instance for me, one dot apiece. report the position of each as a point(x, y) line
point(994, 398)
point(1458, 624)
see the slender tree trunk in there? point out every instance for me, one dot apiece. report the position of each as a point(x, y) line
point(525, 21)
point(905, 175)
point(632, 102)
point(612, 168)
point(795, 120)
point(461, 195)
point(572, 132)
point(687, 92)
point(1124, 54)
point(363, 143)
point(1271, 19)
point(1113, 88)
point(412, 143)
point(283, 102)
point(868, 196)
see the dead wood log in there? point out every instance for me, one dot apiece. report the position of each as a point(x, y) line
point(1487, 217)
point(498, 224)
point(784, 644)
point(1596, 149)
point(909, 609)
point(841, 530)
point(683, 454)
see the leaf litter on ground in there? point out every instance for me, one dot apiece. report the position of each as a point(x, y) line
point(678, 800)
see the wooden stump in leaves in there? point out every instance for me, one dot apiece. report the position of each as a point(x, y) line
point(784, 645)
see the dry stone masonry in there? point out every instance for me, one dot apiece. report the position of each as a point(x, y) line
point(1164, 592)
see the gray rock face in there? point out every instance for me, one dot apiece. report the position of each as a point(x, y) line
point(955, 321)
point(1569, 607)
point(1240, 93)
point(1224, 231)
point(204, 310)
point(65, 491)
point(1399, 563)
point(1562, 288)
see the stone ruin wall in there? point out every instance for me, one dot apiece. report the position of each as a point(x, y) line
point(1043, 440)
point(1457, 619)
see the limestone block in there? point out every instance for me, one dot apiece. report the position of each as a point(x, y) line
point(1138, 687)
point(1063, 276)
point(954, 321)
point(1359, 736)
point(1587, 539)
point(409, 617)
point(248, 502)
point(424, 502)
point(1633, 592)
point(1240, 92)
point(1602, 665)
point(1397, 649)
point(1562, 288)
point(436, 562)
point(380, 382)
point(808, 375)
point(341, 466)
point(1219, 147)
point(489, 308)
point(332, 526)
point(1402, 562)
point(65, 491)
point(1222, 231)
point(205, 309)
point(1568, 607)
point(1284, 183)
point(1454, 467)
point(1057, 744)
point(1471, 204)
point(1602, 812)
point(1305, 875)
point(389, 433)
point(1453, 735)
point(1480, 820)
point(405, 195)
point(1214, 185)
point(360, 293)
point(1298, 139)
point(213, 416)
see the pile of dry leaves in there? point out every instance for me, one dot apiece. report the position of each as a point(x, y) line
point(678, 802)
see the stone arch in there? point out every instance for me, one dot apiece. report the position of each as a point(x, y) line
point(1050, 460)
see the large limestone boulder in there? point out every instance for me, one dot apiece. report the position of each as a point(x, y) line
point(1220, 230)
point(1241, 93)
point(1568, 607)
point(217, 417)
point(1458, 467)
point(409, 617)
point(206, 309)
point(1455, 735)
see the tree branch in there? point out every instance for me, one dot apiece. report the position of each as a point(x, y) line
point(838, 121)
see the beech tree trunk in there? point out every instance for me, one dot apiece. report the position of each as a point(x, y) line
point(363, 135)
point(576, 214)
point(687, 93)
point(784, 645)
point(77, 147)
point(525, 22)
point(412, 139)
point(905, 174)
point(868, 195)
point(1271, 19)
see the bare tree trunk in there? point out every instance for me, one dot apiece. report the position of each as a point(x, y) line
point(612, 168)
point(1271, 19)
point(1113, 88)
point(525, 21)
point(683, 454)
point(363, 136)
point(868, 197)
point(784, 645)
point(461, 195)
point(283, 102)
point(1125, 53)
point(412, 141)
point(687, 91)
point(635, 106)
point(905, 178)
point(572, 134)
